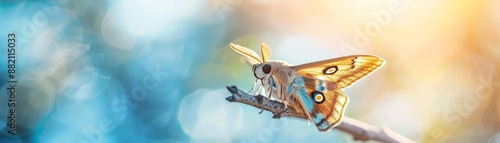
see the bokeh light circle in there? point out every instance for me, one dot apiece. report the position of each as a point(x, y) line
point(204, 114)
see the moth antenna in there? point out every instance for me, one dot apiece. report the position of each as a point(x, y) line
point(251, 56)
point(265, 51)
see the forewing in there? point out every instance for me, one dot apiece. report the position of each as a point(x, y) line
point(343, 71)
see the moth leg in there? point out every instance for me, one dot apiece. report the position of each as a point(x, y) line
point(278, 115)
point(287, 111)
point(257, 93)
point(258, 90)
point(268, 98)
point(285, 101)
point(254, 84)
point(284, 97)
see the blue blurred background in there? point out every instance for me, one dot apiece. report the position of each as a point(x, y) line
point(156, 70)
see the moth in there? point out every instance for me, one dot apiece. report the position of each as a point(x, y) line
point(314, 89)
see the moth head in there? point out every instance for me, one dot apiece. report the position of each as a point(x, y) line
point(261, 70)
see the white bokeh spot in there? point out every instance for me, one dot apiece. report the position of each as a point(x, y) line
point(205, 114)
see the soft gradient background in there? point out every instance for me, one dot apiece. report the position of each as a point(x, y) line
point(156, 71)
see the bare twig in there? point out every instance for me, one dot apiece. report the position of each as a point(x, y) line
point(359, 130)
